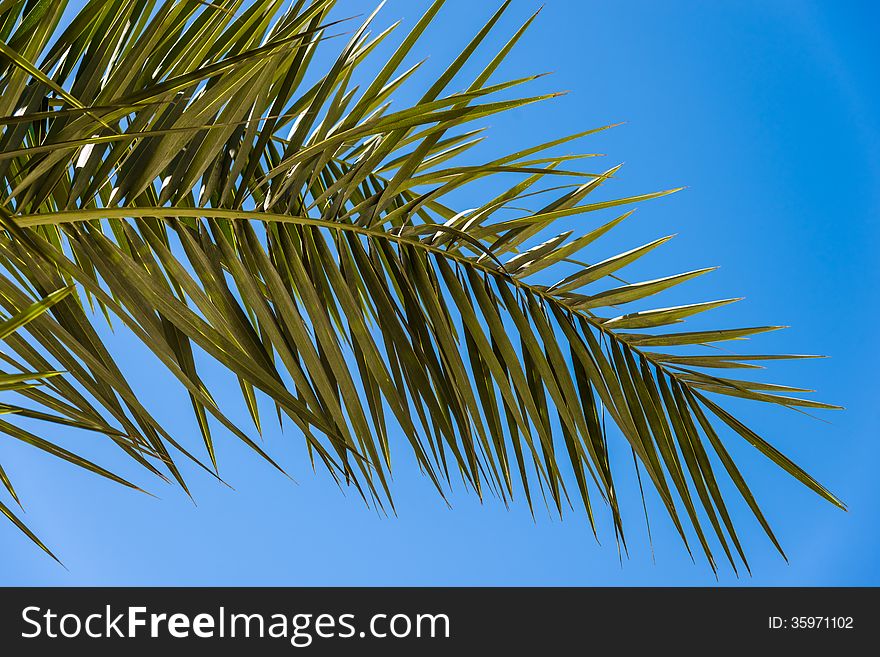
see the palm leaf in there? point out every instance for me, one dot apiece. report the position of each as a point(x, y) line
point(27, 381)
point(167, 160)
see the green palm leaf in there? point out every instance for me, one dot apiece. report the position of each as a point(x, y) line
point(169, 161)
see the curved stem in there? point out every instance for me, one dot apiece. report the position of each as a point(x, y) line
point(89, 214)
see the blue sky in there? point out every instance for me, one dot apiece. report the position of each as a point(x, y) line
point(766, 112)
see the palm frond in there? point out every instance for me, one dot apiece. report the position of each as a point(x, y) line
point(170, 162)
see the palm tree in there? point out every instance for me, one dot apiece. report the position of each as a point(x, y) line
point(183, 166)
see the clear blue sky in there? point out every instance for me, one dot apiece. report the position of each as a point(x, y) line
point(766, 110)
